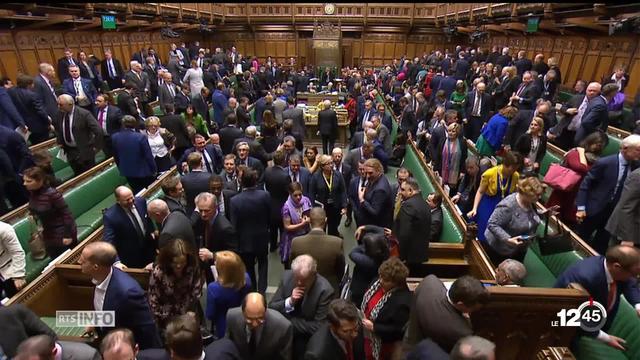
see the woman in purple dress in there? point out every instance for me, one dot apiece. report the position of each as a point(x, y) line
point(295, 218)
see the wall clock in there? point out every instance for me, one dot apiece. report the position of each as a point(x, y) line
point(329, 9)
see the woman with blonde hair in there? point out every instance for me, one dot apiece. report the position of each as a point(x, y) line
point(512, 226)
point(532, 145)
point(508, 85)
point(230, 287)
point(194, 78)
point(161, 141)
point(450, 158)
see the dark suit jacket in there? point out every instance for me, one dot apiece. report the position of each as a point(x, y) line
point(115, 82)
point(357, 140)
point(318, 190)
point(87, 86)
point(127, 104)
point(393, 317)
point(523, 65)
point(311, 312)
point(132, 154)
point(504, 91)
point(16, 149)
point(125, 296)
point(228, 135)
point(251, 205)
point(330, 255)
point(181, 102)
point(194, 183)
point(324, 346)
point(114, 119)
point(63, 68)
point(133, 251)
point(86, 131)
point(448, 84)
point(141, 83)
point(412, 227)
point(276, 182)
point(297, 115)
point(304, 178)
point(164, 95)
point(174, 124)
point(18, 323)
point(221, 349)
point(30, 107)
point(528, 96)
point(174, 204)
point(9, 115)
point(598, 185)
point(517, 127)
point(548, 92)
point(574, 102)
point(377, 208)
point(624, 222)
point(427, 350)
point(486, 104)
point(214, 153)
point(433, 316)
point(595, 117)
point(176, 226)
point(328, 123)
point(274, 342)
point(361, 116)
point(589, 272)
point(49, 101)
point(408, 121)
point(523, 146)
point(436, 224)
point(221, 234)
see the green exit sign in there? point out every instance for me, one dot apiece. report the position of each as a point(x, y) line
point(109, 22)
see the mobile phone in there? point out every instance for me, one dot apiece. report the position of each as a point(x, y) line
point(526, 237)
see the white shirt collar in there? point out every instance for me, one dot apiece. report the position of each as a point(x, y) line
point(105, 283)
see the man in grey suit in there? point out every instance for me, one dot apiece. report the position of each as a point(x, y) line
point(439, 314)
point(140, 79)
point(363, 152)
point(65, 350)
point(78, 133)
point(259, 333)
point(303, 297)
point(43, 87)
point(383, 133)
point(330, 256)
point(174, 225)
point(624, 223)
point(297, 115)
point(167, 91)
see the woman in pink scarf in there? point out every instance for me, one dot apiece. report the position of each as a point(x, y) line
point(295, 218)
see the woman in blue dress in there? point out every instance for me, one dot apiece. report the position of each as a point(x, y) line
point(490, 140)
point(496, 184)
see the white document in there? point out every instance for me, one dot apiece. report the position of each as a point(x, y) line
point(61, 155)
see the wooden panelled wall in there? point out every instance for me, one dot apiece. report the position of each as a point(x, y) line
point(22, 51)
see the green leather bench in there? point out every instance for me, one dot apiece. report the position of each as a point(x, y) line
point(86, 203)
point(394, 123)
point(450, 231)
point(62, 169)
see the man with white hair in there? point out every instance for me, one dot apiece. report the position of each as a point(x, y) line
point(173, 225)
point(43, 87)
point(140, 79)
point(328, 127)
point(504, 59)
point(473, 348)
point(302, 284)
point(79, 134)
point(510, 273)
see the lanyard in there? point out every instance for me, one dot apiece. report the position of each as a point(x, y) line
point(504, 189)
point(330, 182)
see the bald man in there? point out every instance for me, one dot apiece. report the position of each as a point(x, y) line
point(173, 225)
point(129, 229)
point(117, 291)
point(259, 333)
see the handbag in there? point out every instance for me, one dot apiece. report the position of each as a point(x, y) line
point(561, 178)
point(554, 243)
point(36, 242)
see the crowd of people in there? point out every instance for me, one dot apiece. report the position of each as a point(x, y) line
point(247, 188)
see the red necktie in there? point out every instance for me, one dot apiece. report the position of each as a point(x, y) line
point(349, 348)
point(611, 298)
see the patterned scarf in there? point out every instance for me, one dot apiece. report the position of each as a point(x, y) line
point(375, 340)
point(450, 162)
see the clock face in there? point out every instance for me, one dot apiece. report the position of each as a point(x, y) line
point(329, 9)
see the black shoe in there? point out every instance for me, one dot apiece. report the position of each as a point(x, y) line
point(347, 223)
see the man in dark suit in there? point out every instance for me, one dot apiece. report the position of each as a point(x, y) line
point(116, 291)
point(547, 85)
point(128, 228)
point(340, 339)
point(520, 123)
point(151, 69)
point(184, 341)
point(243, 158)
point(211, 155)
point(112, 70)
point(298, 173)
point(360, 137)
point(259, 333)
point(18, 323)
point(78, 133)
point(229, 133)
point(220, 101)
point(364, 152)
point(174, 225)
point(605, 278)
point(64, 63)
point(174, 124)
point(434, 200)
point(330, 256)
point(448, 84)
point(16, 157)
point(297, 115)
point(600, 191)
point(81, 89)
point(230, 174)
point(167, 91)
point(437, 313)
point(523, 64)
point(30, 107)
point(173, 194)
point(477, 110)
point(276, 182)
point(182, 99)
point(328, 127)
point(223, 195)
point(109, 119)
point(43, 87)
point(212, 229)
point(366, 115)
point(253, 241)
point(527, 93)
point(624, 223)
point(376, 202)
point(572, 113)
point(303, 297)
point(412, 225)
point(596, 116)
point(195, 181)
point(133, 156)
point(461, 66)
point(129, 103)
point(342, 167)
